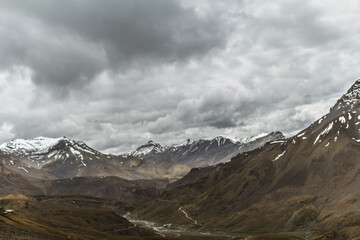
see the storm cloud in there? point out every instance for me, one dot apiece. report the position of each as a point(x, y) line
point(118, 73)
point(70, 42)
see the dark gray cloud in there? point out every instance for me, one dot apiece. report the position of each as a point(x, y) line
point(118, 73)
point(70, 42)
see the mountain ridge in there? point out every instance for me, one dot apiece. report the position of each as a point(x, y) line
point(201, 152)
point(219, 139)
point(350, 99)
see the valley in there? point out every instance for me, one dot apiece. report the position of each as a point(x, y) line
point(301, 187)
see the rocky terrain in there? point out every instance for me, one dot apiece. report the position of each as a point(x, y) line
point(106, 187)
point(14, 183)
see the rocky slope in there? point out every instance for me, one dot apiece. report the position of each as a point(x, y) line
point(309, 182)
point(23, 217)
point(106, 188)
point(14, 183)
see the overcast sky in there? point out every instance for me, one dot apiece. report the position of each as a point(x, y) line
point(116, 74)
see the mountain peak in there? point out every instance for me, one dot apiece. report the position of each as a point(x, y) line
point(253, 138)
point(350, 99)
point(277, 133)
point(38, 144)
point(146, 148)
point(150, 143)
point(221, 140)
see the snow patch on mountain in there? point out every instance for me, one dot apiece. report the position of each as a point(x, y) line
point(43, 151)
point(326, 131)
point(253, 138)
point(25, 146)
point(351, 98)
point(279, 156)
point(342, 119)
point(220, 141)
point(147, 148)
point(279, 141)
point(186, 143)
point(301, 134)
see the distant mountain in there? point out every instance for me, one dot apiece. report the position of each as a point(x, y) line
point(148, 148)
point(200, 153)
point(60, 158)
point(49, 158)
point(308, 183)
point(42, 152)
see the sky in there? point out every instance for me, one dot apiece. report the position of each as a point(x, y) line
point(118, 73)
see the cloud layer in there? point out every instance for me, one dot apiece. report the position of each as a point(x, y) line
point(118, 73)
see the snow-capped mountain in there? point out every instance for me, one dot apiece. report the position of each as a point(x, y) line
point(53, 158)
point(149, 147)
point(42, 151)
point(200, 153)
point(28, 146)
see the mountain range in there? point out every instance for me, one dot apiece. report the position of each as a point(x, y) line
point(59, 158)
point(201, 153)
point(63, 167)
